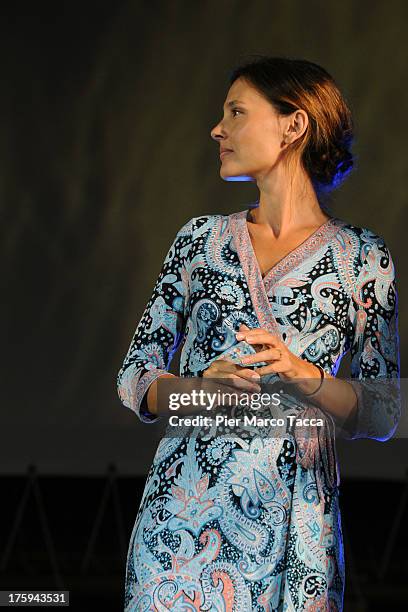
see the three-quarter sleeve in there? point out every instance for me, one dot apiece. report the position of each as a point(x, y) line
point(159, 331)
point(374, 345)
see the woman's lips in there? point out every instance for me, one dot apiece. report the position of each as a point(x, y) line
point(225, 153)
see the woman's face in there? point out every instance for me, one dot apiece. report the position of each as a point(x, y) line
point(253, 130)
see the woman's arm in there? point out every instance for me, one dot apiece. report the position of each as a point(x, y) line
point(149, 401)
point(336, 397)
point(370, 404)
point(158, 333)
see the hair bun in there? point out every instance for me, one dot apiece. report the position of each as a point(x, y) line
point(330, 167)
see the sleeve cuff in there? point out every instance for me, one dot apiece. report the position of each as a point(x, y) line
point(133, 390)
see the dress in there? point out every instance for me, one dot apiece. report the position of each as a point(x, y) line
point(254, 524)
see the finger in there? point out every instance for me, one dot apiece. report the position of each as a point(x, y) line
point(230, 377)
point(218, 366)
point(253, 379)
point(248, 373)
point(253, 331)
point(219, 385)
point(235, 368)
point(237, 382)
point(273, 368)
point(261, 356)
point(262, 337)
point(243, 383)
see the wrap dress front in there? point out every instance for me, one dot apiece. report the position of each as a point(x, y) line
point(253, 522)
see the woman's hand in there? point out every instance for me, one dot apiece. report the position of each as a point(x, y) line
point(271, 349)
point(241, 377)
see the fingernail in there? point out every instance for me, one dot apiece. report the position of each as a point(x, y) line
point(255, 375)
point(240, 335)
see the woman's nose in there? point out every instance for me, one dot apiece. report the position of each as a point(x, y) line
point(217, 133)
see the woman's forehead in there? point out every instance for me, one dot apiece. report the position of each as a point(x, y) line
point(243, 92)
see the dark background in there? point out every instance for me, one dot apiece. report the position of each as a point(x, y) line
point(105, 150)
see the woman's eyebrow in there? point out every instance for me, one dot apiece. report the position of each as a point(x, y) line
point(232, 102)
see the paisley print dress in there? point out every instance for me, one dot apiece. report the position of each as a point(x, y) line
point(252, 522)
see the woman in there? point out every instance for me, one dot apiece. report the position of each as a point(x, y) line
point(253, 523)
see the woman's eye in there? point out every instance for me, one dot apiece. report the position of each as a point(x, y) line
point(234, 110)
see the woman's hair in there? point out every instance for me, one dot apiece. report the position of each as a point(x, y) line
point(291, 84)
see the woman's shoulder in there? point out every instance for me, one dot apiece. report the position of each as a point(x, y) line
point(365, 239)
point(202, 222)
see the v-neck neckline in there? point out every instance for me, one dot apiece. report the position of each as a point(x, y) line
point(290, 255)
point(259, 286)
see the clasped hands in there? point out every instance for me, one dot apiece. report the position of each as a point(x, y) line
point(269, 348)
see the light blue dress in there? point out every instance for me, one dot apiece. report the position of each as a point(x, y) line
point(253, 522)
